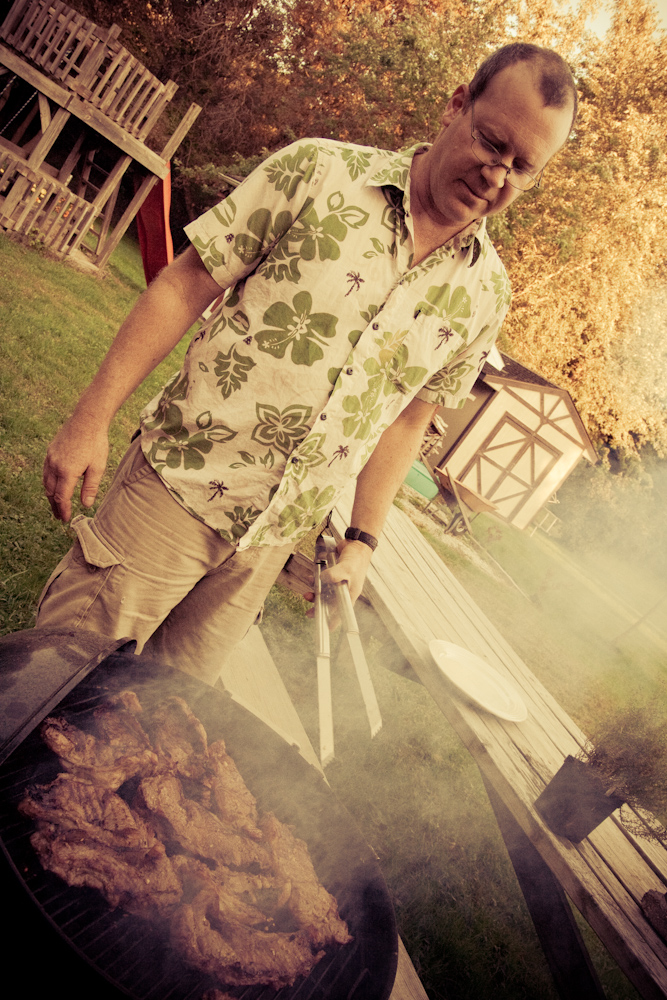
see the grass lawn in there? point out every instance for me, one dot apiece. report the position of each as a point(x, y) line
point(414, 791)
point(57, 326)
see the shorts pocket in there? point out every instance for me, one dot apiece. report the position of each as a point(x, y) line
point(95, 552)
point(78, 579)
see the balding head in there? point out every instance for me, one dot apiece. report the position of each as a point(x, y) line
point(554, 78)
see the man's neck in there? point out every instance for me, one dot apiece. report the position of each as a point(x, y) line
point(428, 236)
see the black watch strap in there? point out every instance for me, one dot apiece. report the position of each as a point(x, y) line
point(356, 535)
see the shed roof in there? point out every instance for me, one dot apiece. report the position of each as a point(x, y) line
point(514, 370)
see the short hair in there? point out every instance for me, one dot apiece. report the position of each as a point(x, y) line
point(556, 82)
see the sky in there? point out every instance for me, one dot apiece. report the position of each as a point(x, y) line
point(602, 22)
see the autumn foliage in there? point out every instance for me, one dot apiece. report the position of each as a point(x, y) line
point(583, 253)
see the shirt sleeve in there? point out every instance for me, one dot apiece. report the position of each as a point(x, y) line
point(236, 234)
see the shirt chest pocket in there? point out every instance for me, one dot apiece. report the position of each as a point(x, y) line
point(429, 345)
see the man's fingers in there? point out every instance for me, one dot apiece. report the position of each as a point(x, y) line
point(55, 488)
point(74, 453)
point(61, 499)
point(90, 486)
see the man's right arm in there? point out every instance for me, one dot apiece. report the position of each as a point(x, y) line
point(160, 317)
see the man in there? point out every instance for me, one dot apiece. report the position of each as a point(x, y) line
point(362, 291)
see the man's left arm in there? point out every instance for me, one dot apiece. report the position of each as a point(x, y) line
point(377, 485)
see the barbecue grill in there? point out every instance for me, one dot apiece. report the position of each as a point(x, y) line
point(75, 938)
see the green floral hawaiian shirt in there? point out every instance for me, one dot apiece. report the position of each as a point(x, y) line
point(325, 333)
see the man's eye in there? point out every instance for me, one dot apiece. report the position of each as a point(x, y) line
point(488, 146)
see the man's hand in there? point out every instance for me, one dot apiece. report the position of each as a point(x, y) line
point(351, 566)
point(77, 450)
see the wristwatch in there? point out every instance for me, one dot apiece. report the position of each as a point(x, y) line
point(357, 535)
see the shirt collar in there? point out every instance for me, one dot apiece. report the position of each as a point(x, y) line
point(394, 168)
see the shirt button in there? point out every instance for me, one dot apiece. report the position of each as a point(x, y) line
point(323, 416)
point(376, 326)
point(295, 460)
point(349, 371)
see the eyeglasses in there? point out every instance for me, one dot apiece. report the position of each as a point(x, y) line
point(487, 153)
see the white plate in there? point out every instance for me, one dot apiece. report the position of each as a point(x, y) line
point(478, 681)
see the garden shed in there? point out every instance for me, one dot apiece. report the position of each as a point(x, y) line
point(515, 441)
point(77, 111)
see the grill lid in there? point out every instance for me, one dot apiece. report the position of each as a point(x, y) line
point(38, 667)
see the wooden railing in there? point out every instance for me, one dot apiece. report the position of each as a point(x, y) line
point(89, 61)
point(48, 206)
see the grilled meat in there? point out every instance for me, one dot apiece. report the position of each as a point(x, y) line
point(231, 799)
point(235, 953)
point(70, 803)
point(178, 737)
point(104, 762)
point(309, 902)
point(182, 842)
point(194, 828)
point(141, 882)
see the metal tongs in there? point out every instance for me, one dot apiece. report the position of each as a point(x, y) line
point(326, 554)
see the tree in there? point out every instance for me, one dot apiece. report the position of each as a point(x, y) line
point(380, 72)
point(582, 252)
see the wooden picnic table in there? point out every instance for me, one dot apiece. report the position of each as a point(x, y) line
point(608, 873)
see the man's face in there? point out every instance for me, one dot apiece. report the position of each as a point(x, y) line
point(452, 187)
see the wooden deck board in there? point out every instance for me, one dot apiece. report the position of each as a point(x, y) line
point(252, 679)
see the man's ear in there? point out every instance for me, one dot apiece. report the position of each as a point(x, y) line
point(455, 104)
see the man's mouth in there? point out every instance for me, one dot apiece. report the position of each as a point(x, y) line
point(473, 193)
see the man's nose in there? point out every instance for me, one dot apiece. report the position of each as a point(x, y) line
point(496, 174)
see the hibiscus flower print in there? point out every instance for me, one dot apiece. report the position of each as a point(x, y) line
point(297, 328)
point(453, 306)
point(308, 509)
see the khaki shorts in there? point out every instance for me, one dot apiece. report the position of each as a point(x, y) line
point(145, 569)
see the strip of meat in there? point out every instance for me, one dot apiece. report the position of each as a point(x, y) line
point(93, 759)
point(149, 886)
point(239, 890)
point(196, 876)
point(178, 737)
point(194, 828)
point(311, 905)
point(117, 723)
point(236, 954)
point(231, 799)
point(98, 813)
